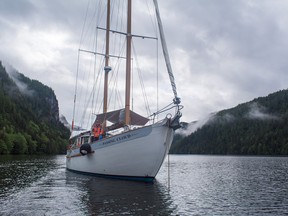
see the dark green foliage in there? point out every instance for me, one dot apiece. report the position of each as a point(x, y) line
point(19, 144)
point(259, 127)
point(29, 117)
point(3, 147)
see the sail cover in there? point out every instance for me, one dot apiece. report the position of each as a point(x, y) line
point(165, 53)
point(118, 116)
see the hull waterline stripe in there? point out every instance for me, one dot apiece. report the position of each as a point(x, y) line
point(130, 178)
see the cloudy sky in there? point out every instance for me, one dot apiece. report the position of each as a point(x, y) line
point(223, 52)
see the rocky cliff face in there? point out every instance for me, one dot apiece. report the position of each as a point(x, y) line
point(29, 116)
point(36, 96)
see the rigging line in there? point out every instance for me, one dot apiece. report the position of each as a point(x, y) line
point(94, 78)
point(101, 66)
point(85, 111)
point(75, 94)
point(117, 37)
point(98, 82)
point(114, 88)
point(91, 23)
point(115, 40)
point(98, 92)
point(114, 80)
point(163, 109)
point(83, 114)
point(82, 32)
point(113, 7)
point(92, 94)
point(168, 171)
point(98, 79)
point(117, 93)
point(78, 60)
point(81, 93)
point(118, 24)
point(157, 59)
point(122, 23)
point(101, 54)
point(177, 109)
point(132, 35)
point(92, 68)
point(166, 54)
point(99, 12)
point(114, 75)
point(87, 102)
point(102, 13)
point(141, 82)
point(86, 24)
point(154, 23)
point(132, 83)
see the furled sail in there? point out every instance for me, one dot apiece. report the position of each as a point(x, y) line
point(165, 53)
point(118, 116)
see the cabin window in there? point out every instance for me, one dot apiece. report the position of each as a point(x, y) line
point(84, 140)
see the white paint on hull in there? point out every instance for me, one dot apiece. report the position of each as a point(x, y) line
point(136, 153)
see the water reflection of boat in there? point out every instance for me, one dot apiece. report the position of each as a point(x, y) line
point(101, 196)
point(129, 147)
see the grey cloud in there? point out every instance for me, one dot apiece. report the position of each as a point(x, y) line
point(15, 10)
point(223, 52)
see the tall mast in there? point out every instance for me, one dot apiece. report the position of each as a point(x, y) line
point(107, 68)
point(128, 65)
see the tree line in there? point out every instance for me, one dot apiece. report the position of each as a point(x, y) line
point(259, 127)
point(29, 117)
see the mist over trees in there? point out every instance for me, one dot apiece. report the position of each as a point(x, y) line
point(29, 117)
point(29, 123)
point(258, 127)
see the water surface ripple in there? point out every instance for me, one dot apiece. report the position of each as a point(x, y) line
point(199, 185)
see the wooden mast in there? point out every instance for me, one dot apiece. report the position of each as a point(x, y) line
point(107, 68)
point(128, 65)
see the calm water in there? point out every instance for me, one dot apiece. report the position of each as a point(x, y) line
point(199, 185)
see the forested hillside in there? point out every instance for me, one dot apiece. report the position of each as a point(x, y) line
point(259, 127)
point(29, 117)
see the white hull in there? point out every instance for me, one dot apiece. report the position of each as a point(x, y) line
point(137, 154)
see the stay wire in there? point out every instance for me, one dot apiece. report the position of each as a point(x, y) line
point(141, 82)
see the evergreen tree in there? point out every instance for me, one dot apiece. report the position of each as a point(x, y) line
point(259, 127)
point(29, 117)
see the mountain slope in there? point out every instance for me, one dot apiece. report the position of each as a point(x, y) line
point(258, 127)
point(29, 116)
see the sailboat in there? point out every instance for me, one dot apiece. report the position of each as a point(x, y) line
point(121, 143)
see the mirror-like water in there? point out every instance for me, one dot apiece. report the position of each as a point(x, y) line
point(200, 185)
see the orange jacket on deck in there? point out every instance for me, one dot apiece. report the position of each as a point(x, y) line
point(96, 131)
